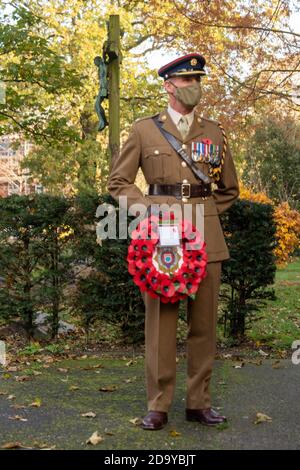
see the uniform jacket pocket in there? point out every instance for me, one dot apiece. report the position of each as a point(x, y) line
point(157, 163)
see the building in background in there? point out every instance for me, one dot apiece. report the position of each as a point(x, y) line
point(14, 179)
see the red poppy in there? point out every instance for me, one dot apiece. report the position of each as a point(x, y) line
point(133, 268)
point(176, 298)
point(167, 288)
point(154, 280)
point(153, 294)
point(139, 234)
point(192, 287)
point(142, 247)
point(144, 262)
point(206, 141)
point(143, 226)
point(187, 229)
point(179, 285)
point(141, 280)
point(195, 242)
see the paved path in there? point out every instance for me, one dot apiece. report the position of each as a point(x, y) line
point(239, 393)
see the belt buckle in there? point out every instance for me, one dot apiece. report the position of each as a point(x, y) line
point(186, 190)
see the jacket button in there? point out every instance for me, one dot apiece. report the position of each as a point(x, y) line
point(183, 164)
point(184, 199)
point(156, 152)
point(185, 181)
point(183, 146)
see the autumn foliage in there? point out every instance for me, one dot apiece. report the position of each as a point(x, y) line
point(287, 224)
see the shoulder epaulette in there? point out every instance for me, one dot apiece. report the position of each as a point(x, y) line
point(146, 117)
point(210, 120)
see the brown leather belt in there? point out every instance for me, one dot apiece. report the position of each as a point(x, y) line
point(180, 190)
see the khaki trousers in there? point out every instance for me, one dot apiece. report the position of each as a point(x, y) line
point(160, 341)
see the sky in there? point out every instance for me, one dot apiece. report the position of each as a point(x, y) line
point(158, 58)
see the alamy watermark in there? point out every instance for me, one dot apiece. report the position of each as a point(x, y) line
point(2, 92)
point(109, 228)
point(296, 353)
point(2, 353)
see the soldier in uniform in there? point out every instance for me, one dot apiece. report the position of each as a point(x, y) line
point(172, 181)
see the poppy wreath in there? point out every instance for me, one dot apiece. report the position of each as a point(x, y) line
point(168, 285)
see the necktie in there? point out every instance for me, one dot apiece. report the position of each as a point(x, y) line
point(183, 126)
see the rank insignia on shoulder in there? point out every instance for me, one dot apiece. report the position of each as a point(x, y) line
point(205, 151)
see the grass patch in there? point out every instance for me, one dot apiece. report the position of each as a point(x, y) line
point(279, 321)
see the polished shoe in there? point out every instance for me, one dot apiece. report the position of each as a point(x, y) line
point(207, 416)
point(155, 420)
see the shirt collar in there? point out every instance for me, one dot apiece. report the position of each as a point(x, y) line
point(175, 116)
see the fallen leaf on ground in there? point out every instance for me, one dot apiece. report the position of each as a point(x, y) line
point(11, 397)
point(136, 421)
point(60, 369)
point(89, 414)
point(239, 365)
point(263, 353)
point(18, 418)
point(49, 360)
point(18, 407)
point(110, 388)
point(94, 439)
point(261, 418)
point(37, 372)
point(175, 433)
point(73, 388)
point(43, 446)
point(3, 393)
point(96, 366)
point(129, 363)
point(22, 378)
point(13, 445)
point(277, 365)
point(36, 403)
point(130, 380)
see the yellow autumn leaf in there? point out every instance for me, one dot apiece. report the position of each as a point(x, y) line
point(36, 403)
point(261, 418)
point(94, 439)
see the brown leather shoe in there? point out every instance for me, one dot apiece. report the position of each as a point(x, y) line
point(208, 416)
point(155, 420)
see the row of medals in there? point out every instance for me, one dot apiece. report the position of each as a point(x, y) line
point(212, 159)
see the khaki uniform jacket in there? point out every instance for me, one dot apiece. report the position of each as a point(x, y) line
point(147, 148)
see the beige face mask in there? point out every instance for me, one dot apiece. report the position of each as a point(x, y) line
point(189, 96)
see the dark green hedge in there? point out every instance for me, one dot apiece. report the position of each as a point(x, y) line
point(45, 241)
